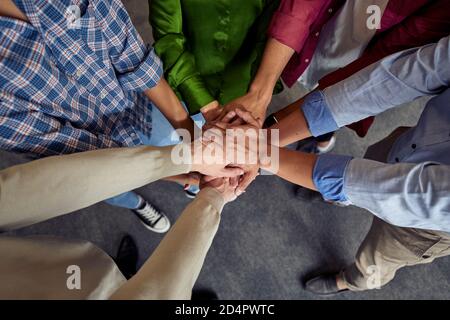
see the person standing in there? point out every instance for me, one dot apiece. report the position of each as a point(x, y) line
point(76, 76)
point(404, 180)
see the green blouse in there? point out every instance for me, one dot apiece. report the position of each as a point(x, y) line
point(211, 49)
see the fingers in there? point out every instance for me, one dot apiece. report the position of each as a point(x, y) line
point(208, 178)
point(247, 117)
point(246, 180)
point(234, 182)
point(231, 172)
point(228, 117)
point(213, 135)
point(238, 122)
point(215, 125)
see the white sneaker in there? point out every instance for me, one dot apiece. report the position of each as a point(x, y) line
point(192, 192)
point(153, 219)
point(328, 148)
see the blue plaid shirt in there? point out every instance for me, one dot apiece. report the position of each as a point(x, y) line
point(73, 85)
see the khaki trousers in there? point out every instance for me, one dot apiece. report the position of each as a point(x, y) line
point(388, 248)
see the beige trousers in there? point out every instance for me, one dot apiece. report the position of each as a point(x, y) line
point(388, 248)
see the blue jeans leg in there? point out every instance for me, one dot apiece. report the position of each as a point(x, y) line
point(127, 200)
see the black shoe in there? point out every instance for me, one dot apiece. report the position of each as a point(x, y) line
point(308, 195)
point(151, 218)
point(308, 145)
point(311, 145)
point(127, 257)
point(323, 285)
point(204, 295)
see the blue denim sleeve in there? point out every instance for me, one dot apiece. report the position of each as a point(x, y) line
point(328, 176)
point(318, 115)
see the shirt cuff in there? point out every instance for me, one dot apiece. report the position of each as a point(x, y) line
point(329, 175)
point(318, 115)
point(146, 76)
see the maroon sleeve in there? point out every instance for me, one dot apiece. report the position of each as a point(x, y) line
point(291, 23)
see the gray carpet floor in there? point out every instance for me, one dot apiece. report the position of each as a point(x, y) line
point(268, 239)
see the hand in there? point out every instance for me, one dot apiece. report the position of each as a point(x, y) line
point(250, 148)
point(252, 170)
point(252, 102)
point(209, 156)
point(188, 179)
point(225, 186)
point(211, 111)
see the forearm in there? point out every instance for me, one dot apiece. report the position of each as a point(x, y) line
point(171, 271)
point(371, 91)
point(170, 106)
point(295, 167)
point(9, 9)
point(291, 124)
point(54, 186)
point(211, 111)
point(275, 58)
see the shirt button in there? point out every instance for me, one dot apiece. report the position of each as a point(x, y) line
point(317, 34)
point(133, 134)
point(306, 60)
point(79, 73)
point(397, 160)
point(414, 146)
point(103, 95)
point(330, 10)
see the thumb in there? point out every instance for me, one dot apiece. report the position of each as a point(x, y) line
point(231, 172)
point(247, 179)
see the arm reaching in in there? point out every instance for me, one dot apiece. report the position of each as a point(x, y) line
point(391, 82)
point(289, 30)
point(172, 270)
point(50, 187)
point(166, 100)
point(275, 58)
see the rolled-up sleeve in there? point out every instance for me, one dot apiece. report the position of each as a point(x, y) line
point(171, 45)
point(137, 66)
point(395, 80)
point(145, 75)
point(328, 176)
point(318, 115)
point(291, 23)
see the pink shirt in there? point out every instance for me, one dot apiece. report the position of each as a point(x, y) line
point(297, 24)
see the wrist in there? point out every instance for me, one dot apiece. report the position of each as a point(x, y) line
point(186, 124)
point(211, 110)
point(262, 94)
point(213, 197)
point(210, 106)
point(265, 160)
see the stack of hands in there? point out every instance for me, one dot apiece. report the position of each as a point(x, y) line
point(229, 145)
